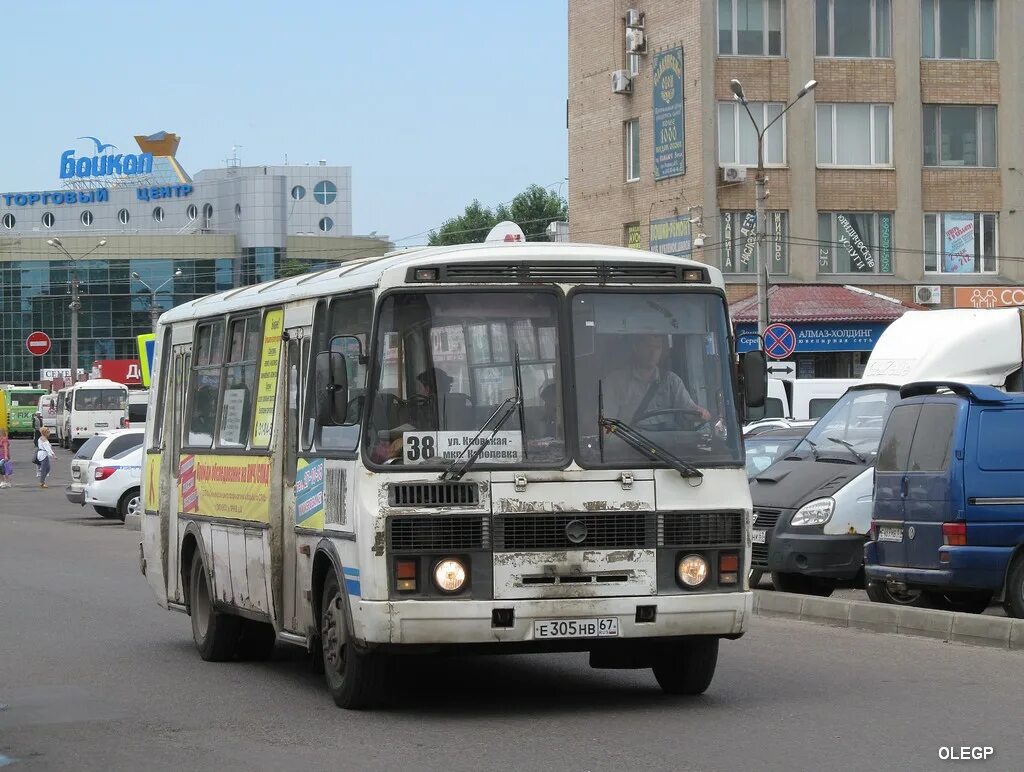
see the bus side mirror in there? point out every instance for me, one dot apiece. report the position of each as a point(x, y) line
point(754, 371)
point(331, 388)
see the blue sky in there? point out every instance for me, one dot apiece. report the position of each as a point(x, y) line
point(431, 103)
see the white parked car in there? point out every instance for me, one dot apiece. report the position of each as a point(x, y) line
point(96, 451)
point(114, 484)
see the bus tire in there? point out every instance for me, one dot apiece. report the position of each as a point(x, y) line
point(256, 640)
point(352, 675)
point(214, 632)
point(106, 511)
point(1013, 597)
point(687, 667)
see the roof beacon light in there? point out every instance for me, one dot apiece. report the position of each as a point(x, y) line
point(506, 231)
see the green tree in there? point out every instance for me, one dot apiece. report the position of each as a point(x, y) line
point(291, 266)
point(532, 210)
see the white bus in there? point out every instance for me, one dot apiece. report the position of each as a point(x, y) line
point(521, 447)
point(89, 408)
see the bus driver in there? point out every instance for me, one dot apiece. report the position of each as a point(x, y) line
point(643, 387)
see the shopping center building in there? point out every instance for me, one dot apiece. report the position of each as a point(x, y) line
point(220, 229)
point(900, 173)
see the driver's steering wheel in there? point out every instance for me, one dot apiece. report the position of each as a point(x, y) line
point(697, 417)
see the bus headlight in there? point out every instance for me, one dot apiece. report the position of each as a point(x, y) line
point(450, 575)
point(817, 512)
point(692, 570)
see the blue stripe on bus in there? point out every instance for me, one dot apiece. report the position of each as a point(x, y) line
point(352, 586)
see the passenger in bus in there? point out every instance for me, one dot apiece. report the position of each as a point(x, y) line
point(549, 414)
point(644, 387)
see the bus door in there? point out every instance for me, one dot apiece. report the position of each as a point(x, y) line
point(182, 366)
point(296, 355)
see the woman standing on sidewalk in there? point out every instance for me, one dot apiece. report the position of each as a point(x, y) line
point(5, 459)
point(44, 453)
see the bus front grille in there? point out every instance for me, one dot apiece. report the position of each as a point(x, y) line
point(438, 533)
point(434, 494)
point(569, 530)
point(700, 529)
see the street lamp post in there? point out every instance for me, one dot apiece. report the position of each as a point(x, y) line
point(154, 309)
point(761, 195)
point(76, 304)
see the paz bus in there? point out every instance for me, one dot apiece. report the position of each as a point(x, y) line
point(22, 405)
point(485, 448)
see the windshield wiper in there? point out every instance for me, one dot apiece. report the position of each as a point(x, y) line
point(652, 450)
point(814, 447)
point(849, 447)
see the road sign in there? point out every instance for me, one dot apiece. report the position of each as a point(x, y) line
point(779, 340)
point(147, 344)
point(38, 343)
point(786, 370)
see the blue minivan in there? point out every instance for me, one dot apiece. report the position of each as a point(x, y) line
point(948, 521)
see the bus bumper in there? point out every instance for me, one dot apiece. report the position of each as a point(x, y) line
point(473, 622)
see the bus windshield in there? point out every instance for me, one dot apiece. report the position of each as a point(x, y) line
point(853, 427)
point(100, 399)
point(447, 361)
point(658, 363)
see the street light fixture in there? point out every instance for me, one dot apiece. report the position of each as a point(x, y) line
point(761, 194)
point(154, 309)
point(76, 304)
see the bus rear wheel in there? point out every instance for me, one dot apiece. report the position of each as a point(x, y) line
point(352, 675)
point(687, 667)
point(214, 632)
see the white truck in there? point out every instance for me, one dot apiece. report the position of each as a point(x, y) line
point(813, 508)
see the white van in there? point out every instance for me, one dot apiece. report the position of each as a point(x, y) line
point(90, 408)
point(811, 398)
point(48, 410)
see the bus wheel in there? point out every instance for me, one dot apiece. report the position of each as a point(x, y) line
point(255, 640)
point(215, 633)
point(1013, 599)
point(686, 667)
point(352, 675)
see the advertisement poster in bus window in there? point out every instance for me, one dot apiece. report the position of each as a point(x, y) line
point(667, 88)
point(151, 484)
point(230, 487)
point(309, 494)
point(266, 388)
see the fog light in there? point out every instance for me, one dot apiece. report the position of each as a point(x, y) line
point(692, 570)
point(449, 575)
point(728, 578)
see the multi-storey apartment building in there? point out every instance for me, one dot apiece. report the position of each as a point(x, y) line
point(900, 174)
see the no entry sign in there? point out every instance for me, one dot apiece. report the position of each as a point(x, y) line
point(38, 343)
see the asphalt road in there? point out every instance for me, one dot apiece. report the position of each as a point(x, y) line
point(93, 675)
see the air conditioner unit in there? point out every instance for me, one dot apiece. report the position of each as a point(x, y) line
point(621, 82)
point(928, 294)
point(634, 19)
point(636, 43)
point(734, 173)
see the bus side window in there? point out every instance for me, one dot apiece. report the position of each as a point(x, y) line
point(159, 381)
point(319, 343)
point(205, 384)
point(292, 418)
point(240, 382)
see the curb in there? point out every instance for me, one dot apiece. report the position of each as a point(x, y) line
point(971, 629)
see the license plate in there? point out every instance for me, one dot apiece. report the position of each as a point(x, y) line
point(890, 534)
point(758, 536)
point(606, 627)
point(101, 426)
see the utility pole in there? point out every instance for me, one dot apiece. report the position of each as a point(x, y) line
point(76, 304)
point(760, 196)
point(154, 309)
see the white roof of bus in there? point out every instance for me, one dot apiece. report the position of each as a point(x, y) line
point(390, 269)
point(97, 383)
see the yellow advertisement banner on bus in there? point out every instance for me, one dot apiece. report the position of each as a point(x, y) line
point(232, 487)
point(266, 388)
point(151, 483)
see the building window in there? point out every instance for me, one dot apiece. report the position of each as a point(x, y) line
point(958, 29)
point(854, 135)
point(631, 235)
point(326, 223)
point(123, 216)
point(325, 192)
point(737, 139)
point(192, 213)
point(238, 211)
point(739, 242)
point(298, 192)
point(86, 218)
point(855, 242)
point(158, 213)
point(632, 139)
point(48, 219)
point(750, 27)
point(9, 221)
point(960, 242)
point(959, 135)
point(207, 215)
point(853, 28)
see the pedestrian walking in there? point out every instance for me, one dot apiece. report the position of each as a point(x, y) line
point(37, 424)
point(6, 465)
point(44, 452)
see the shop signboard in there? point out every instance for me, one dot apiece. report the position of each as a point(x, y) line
point(820, 337)
point(667, 88)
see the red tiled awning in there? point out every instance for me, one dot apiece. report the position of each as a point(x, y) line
point(822, 303)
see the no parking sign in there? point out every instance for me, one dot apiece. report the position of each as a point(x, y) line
point(779, 340)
